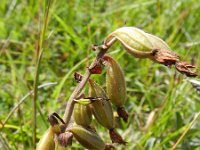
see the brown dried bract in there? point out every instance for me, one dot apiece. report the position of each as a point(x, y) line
point(115, 137)
point(78, 77)
point(122, 113)
point(165, 57)
point(169, 58)
point(96, 69)
point(185, 68)
point(52, 118)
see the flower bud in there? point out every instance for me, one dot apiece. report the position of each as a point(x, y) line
point(88, 138)
point(82, 115)
point(47, 140)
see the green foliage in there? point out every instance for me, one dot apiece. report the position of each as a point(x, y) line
point(73, 27)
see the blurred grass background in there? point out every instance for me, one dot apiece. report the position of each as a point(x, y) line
point(73, 27)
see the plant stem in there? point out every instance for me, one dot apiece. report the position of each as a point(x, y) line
point(81, 85)
point(40, 49)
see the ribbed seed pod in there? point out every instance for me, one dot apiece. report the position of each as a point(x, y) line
point(143, 45)
point(89, 139)
point(47, 140)
point(116, 85)
point(115, 82)
point(82, 115)
point(137, 42)
point(101, 109)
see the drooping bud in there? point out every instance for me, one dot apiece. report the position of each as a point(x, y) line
point(116, 85)
point(143, 45)
point(88, 138)
point(82, 115)
point(47, 140)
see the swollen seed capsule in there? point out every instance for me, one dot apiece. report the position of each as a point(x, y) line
point(116, 85)
point(115, 82)
point(88, 138)
point(82, 115)
point(101, 109)
point(137, 42)
point(143, 45)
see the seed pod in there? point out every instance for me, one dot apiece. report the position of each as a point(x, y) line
point(116, 85)
point(143, 45)
point(82, 115)
point(87, 138)
point(47, 140)
point(136, 41)
point(101, 109)
point(115, 82)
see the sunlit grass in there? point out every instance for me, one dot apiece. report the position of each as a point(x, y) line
point(73, 27)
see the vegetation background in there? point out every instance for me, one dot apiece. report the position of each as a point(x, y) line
point(75, 25)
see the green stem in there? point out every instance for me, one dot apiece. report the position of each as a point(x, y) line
point(36, 79)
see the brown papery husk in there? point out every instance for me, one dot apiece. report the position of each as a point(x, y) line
point(122, 113)
point(185, 68)
point(169, 58)
point(115, 137)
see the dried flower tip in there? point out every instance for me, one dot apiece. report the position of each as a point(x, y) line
point(52, 118)
point(165, 57)
point(78, 77)
point(115, 137)
point(65, 139)
point(122, 113)
point(95, 69)
point(185, 68)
